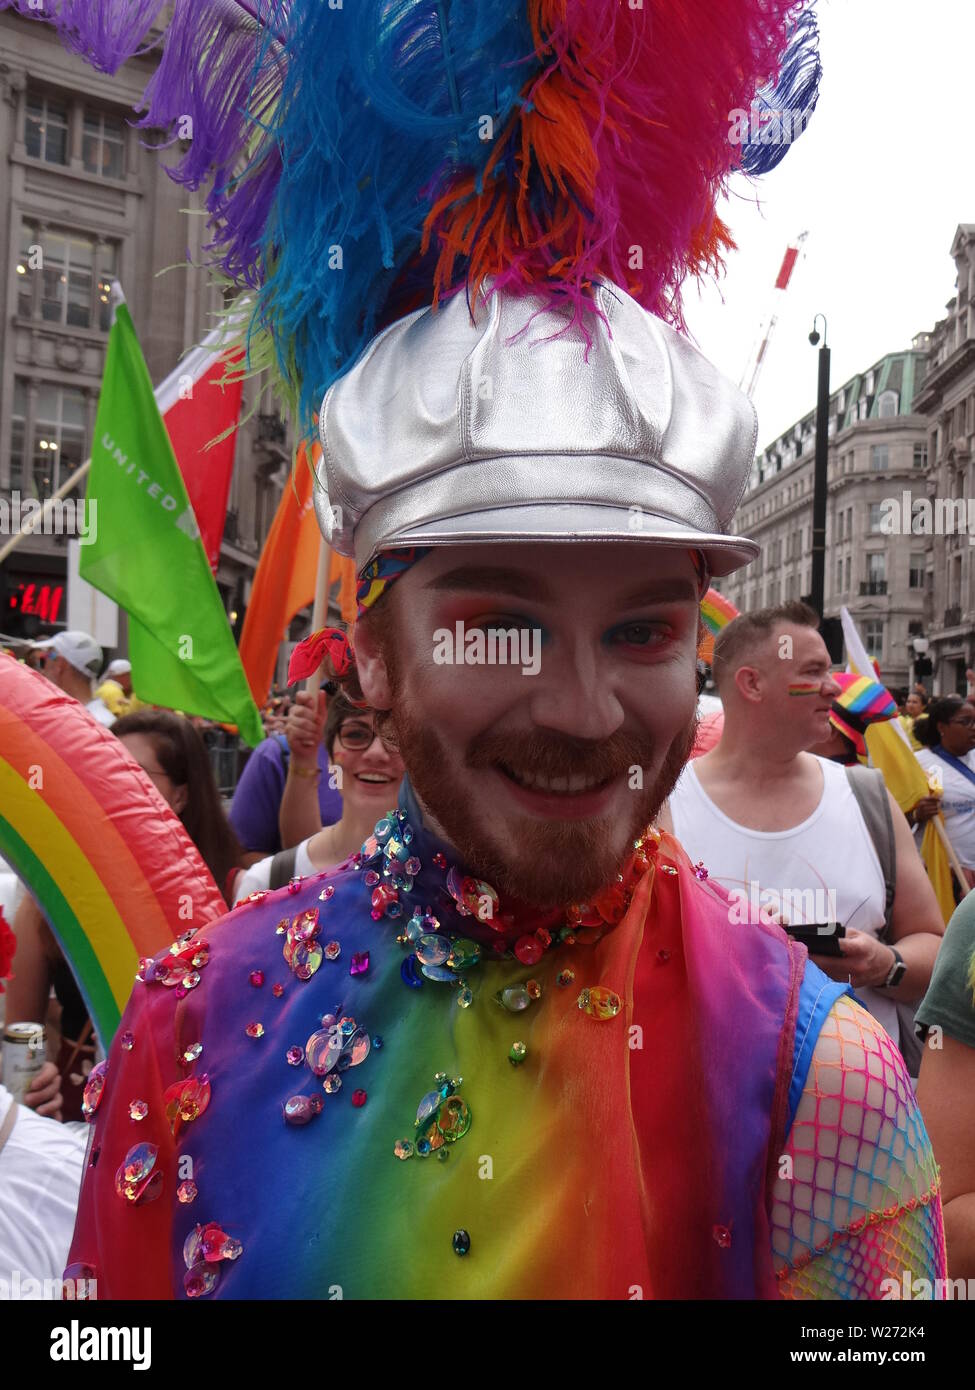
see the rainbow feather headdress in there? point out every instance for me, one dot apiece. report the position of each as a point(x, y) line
point(366, 157)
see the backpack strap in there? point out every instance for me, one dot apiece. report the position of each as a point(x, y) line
point(283, 868)
point(868, 787)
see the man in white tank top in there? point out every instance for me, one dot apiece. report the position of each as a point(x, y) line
point(780, 829)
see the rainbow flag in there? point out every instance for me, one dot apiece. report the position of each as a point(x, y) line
point(716, 613)
point(108, 863)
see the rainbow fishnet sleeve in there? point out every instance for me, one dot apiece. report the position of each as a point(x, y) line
point(857, 1198)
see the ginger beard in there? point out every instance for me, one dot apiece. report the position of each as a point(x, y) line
point(547, 863)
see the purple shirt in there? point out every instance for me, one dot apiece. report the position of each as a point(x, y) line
point(257, 800)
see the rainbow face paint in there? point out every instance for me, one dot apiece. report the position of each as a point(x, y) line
point(805, 687)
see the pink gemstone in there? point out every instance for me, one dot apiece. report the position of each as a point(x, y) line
point(257, 978)
point(333, 950)
point(358, 1098)
point(360, 963)
point(294, 885)
point(295, 1055)
point(186, 1192)
point(216, 1245)
point(186, 1100)
point(277, 991)
point(721, 1236)
point(138, 1110)
point(440, 860)
point(528, 950)
point(126, 1042)
point(199, 1280)
point(93, 1090)
point(326, 893)
point(254, 1030)
point(699, 870)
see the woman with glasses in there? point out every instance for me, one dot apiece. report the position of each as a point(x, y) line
point(946, 733)
point(370, 774)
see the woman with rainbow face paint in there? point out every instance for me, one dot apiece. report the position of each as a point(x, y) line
point(514, 1047)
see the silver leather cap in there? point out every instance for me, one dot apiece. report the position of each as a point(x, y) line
point(450, 431)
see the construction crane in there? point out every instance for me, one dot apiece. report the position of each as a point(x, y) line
point(756, 358)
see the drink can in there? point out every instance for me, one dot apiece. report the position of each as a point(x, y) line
point(24, 1053)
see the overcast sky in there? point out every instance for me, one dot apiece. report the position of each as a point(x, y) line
point(880, 179)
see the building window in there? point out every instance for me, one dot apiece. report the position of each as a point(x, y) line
point(39, 465)
point(46, 129)
point(839, 576)
point(876, 565)
point(103, 144)
point(878, 457)
point(876, 528)
point(916, 580)
point(887, 405)
point(920, 456)
point(873, 638)
point(846, 586)
point(71, 282)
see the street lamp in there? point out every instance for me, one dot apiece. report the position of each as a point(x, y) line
point(819, 472)
point(921, 663)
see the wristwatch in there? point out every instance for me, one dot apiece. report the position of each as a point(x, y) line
point(897, 971)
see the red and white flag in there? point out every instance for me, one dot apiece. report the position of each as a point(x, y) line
point(196, 409)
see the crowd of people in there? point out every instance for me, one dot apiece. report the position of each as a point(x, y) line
point(780, 809)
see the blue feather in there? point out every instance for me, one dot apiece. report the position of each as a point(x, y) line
point(785, 106)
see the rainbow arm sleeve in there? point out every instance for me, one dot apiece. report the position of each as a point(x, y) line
point(856, 1210)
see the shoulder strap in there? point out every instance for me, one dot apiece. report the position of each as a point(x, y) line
point(868, 786)
point(283, 868)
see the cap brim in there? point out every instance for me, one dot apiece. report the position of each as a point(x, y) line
point(552, 522)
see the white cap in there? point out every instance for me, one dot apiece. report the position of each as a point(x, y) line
point(118, 667)
point(79, 650)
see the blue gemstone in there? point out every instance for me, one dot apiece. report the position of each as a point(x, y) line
point(461, 1243)
point(438, 972)
point(410, 972)
point(383, 830)
point(377, 1042)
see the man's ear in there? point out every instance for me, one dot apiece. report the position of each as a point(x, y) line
point(750, 685)
point(371, 669)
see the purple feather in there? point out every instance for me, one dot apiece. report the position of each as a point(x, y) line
point(105, 32)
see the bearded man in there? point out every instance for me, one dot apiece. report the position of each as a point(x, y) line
point(519, 1046)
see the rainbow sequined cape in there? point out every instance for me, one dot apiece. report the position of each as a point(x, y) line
point(242, 1148)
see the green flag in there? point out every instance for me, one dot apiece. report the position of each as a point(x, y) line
point(148, 556)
